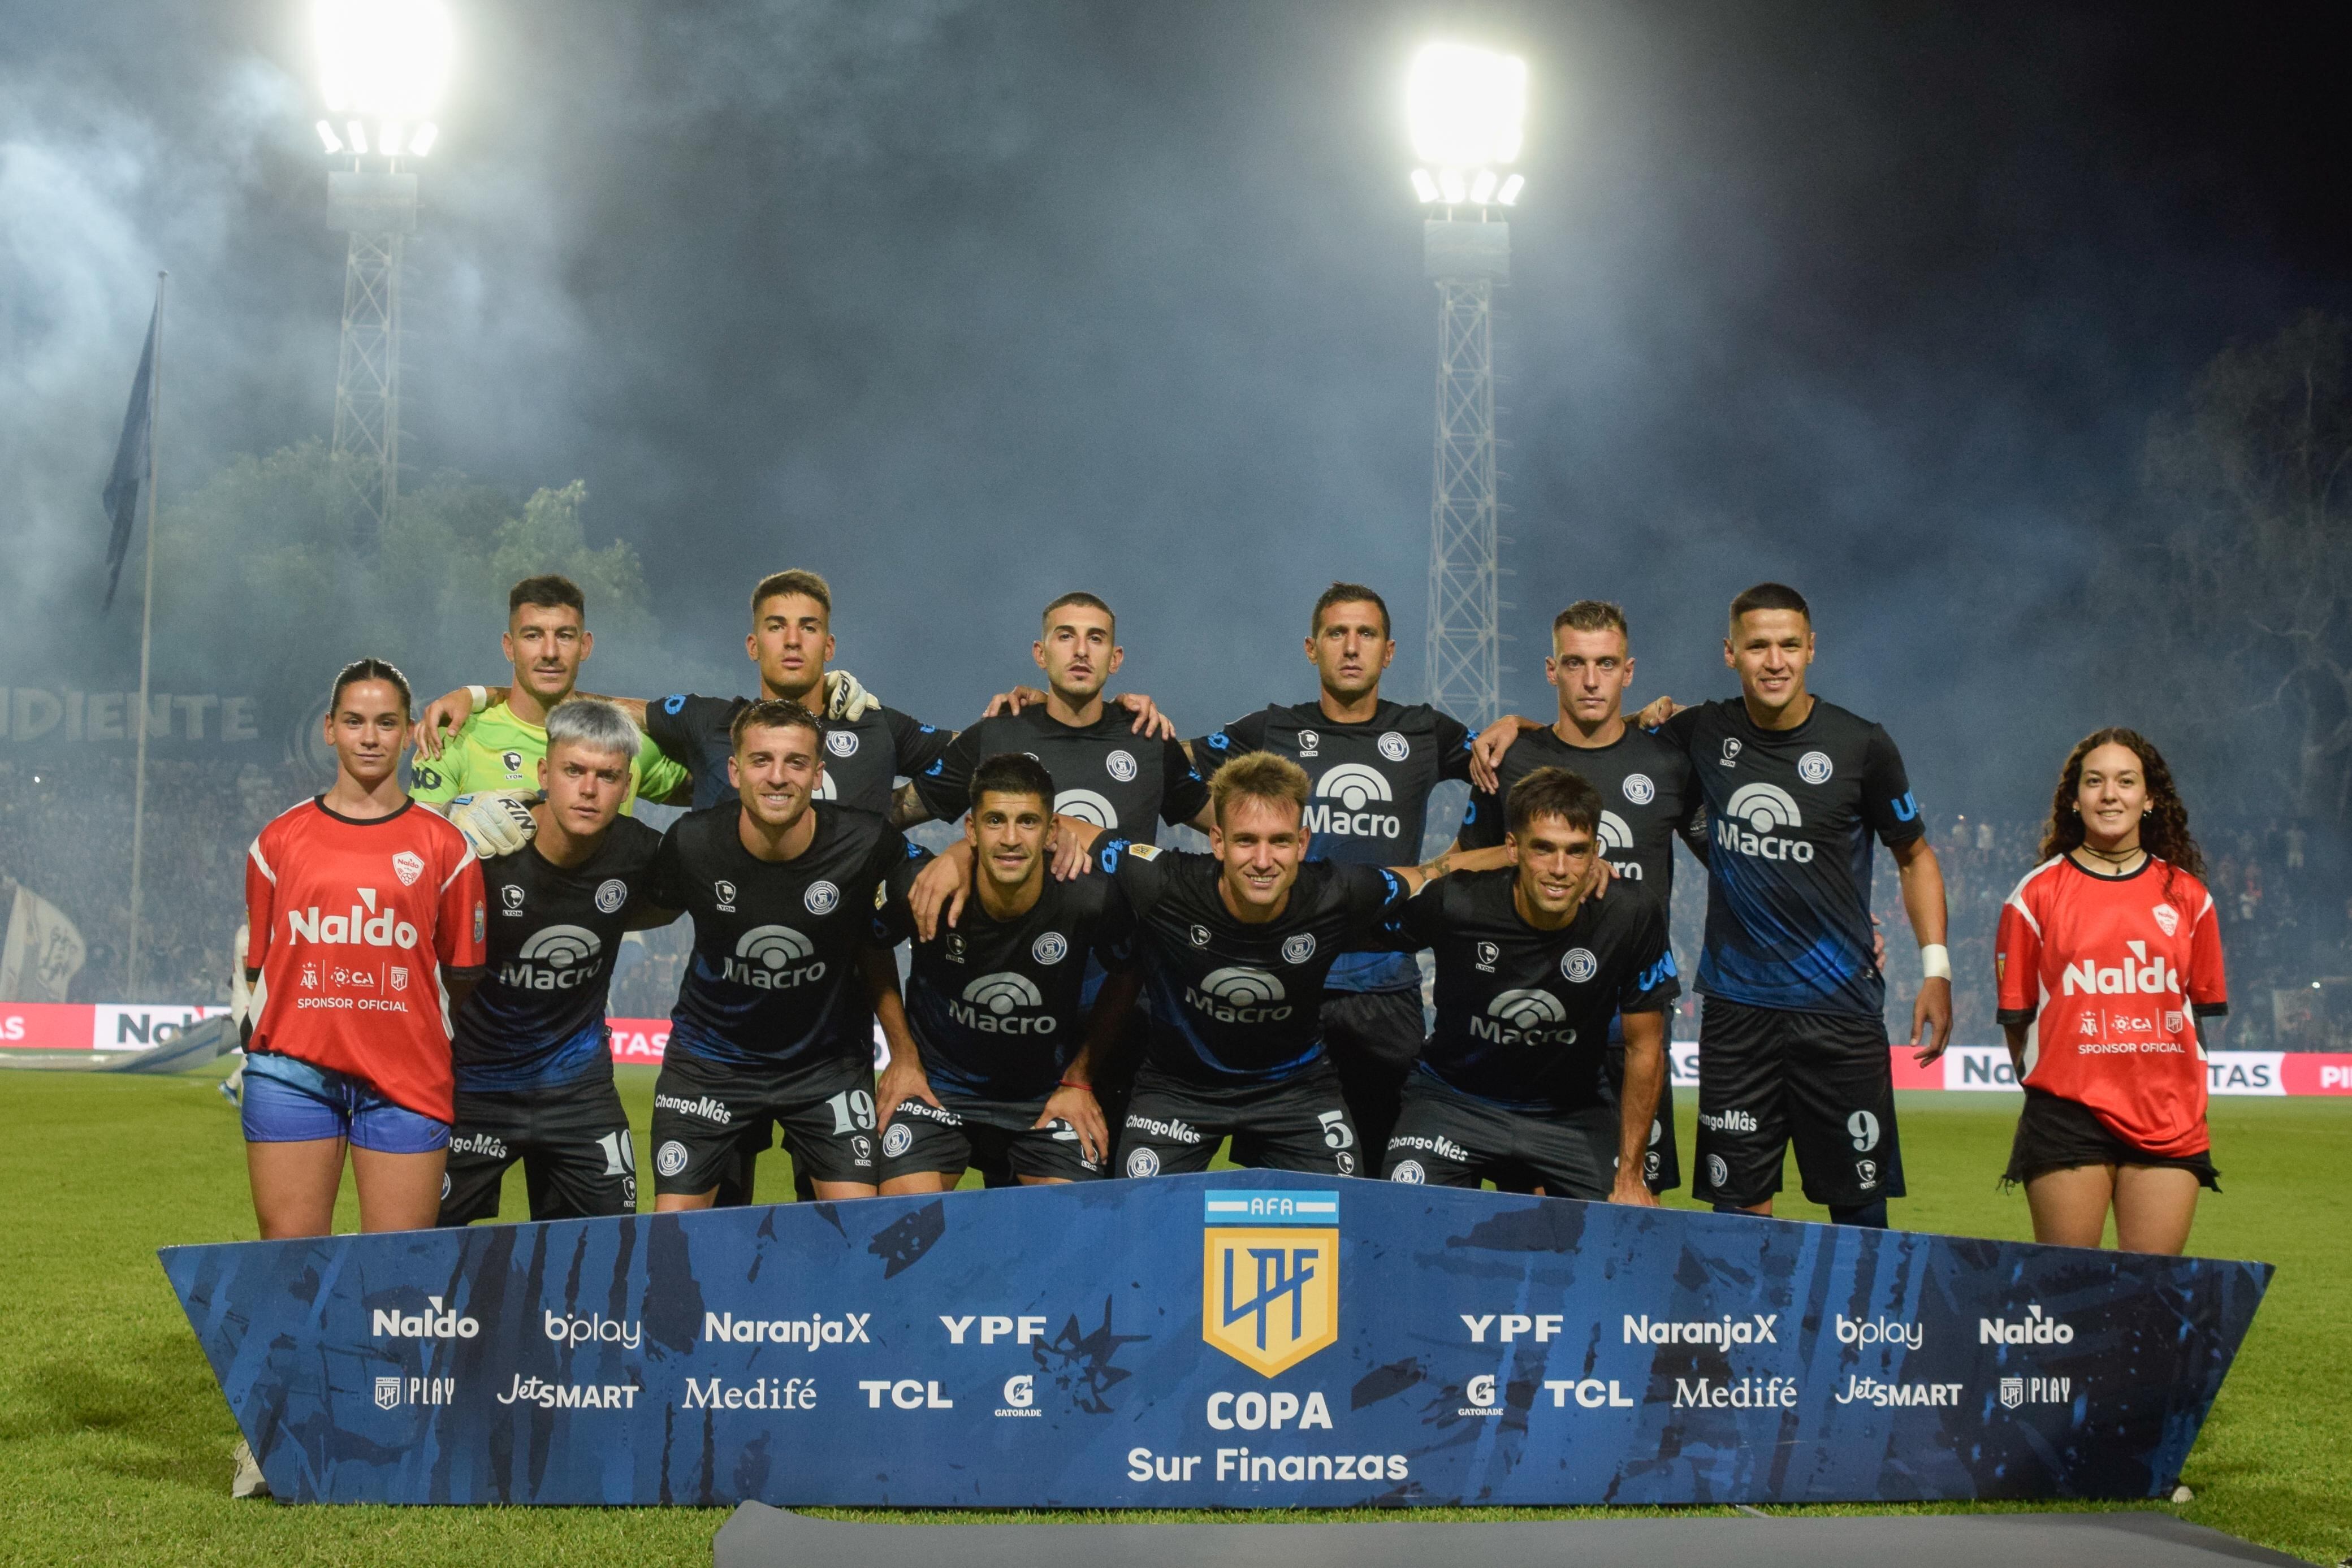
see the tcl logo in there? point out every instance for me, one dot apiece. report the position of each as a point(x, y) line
point(370, 928)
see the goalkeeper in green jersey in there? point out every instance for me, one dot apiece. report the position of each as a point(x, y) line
point(488, 772)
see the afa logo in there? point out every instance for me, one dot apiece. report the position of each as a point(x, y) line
point(1087, 806)
point(1270, 1276)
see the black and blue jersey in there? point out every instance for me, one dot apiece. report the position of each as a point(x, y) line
point(537, 1019)
point(999, 1007)
point(1646, 798)
point(1792, 814)
point(1371, 802)
point(864, 759)
point(1234, 1003)
point(1523, 1014)
point(771, 980)
point(1103, 773)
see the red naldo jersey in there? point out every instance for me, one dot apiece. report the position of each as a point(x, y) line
point(351, 923)
point(2110, 974)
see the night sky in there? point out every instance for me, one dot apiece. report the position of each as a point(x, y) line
point(967, 304)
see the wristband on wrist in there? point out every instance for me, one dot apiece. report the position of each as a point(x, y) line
point(481, 695)
point(1088, 1087)
point(1936, 961)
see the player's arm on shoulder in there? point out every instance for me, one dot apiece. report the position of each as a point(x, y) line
point(1486, 750)
point(446, 714)
point(907, 807)
point(1149, 720)
point(1183, 792)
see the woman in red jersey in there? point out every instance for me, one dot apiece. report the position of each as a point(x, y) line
point(363, 920)
point(2109, 965)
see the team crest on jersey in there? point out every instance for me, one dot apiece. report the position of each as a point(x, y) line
point(408, 866)
point(512, 896)
point(1200, 935)
point(821, 897)
point(1308, 742)
point(1730, 757)
point(1270, 1276)
point(841, 742)
point(1579, 965)
point(612, 895)
point(1639, 789)
point(1298, 949)
point(898, 1139)
point(1488, 954)
point(2168, 919)
point(1121, 765)
point(725, 892)
point(1815, 768)
point(1394, 745)
point(1050, 948)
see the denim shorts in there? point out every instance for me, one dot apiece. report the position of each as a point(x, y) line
point(287, 1101)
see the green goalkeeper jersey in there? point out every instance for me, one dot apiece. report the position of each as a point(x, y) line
point(497, 749)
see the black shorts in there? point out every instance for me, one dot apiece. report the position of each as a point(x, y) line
point(2055, 1133)
point(1823, 1081)
point(578, 1159)
point(1661, 1166)
point(1447, 1138)
point(710, 1121)
point(1296, 1123)
point(961, 1132)
point(1374, 1038)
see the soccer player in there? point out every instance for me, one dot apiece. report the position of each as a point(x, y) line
point(1234, 947)
point(1792, 1035)
point(534, 1070)
point(484, 773)
point(1646, 790)
point(1374, 763)
point(2109, 966)
point(997, 1070)
point(364, 921)
point(774, 1022)
point(1533, 976)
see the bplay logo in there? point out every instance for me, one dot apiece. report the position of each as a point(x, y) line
point(1753, 819)
point(593, 1329)
point(1003, 1003)
point(1341, 795)
point(434, 1322)
point(773, 959)
point(1087, 806)
point(555, 958)
point(1529, 1016)
point(1238, 994)
point(1880, 1331)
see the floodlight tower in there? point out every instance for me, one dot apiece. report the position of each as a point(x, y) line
point(382, 64)
point(1467, 107)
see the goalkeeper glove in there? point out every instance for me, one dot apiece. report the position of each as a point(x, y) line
point(844, 700)
point(240, 989)
point(496, 821)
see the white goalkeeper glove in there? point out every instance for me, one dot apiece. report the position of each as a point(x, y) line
point(844, 700)
point(240, 989)
point(496, 821)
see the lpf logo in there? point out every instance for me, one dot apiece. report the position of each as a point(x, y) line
point(1270, 1276)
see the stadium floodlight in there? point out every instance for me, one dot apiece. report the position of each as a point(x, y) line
point(1467, 109)
point(428, 133)
point(384, 58)
point(1509, 194)
point(327, 138)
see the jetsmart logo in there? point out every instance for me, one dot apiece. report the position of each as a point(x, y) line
point(1755, 816)
point(432, 1323)
point(548, 1396)
point(812, 1331)
point(996, 1004)
point(1617, 839)
point(1239, 996)
point(773, 959)
point(556, 958)
point(2139, 978)
point(1086, 805)
point(1722, 1334)
point(1340, 799)
point(2031, 1329)
point(1532, 1017)
point(361, 928)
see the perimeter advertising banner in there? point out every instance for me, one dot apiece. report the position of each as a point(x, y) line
point(1240, 1339)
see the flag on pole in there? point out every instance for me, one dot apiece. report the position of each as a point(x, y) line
point(43, 952)
point(122, 496)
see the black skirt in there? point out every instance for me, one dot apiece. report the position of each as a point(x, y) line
point(2057, 1133)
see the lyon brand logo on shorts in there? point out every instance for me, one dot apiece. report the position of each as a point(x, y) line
point(1270, 1276)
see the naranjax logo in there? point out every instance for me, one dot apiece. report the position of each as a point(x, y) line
point(1723, 1334)
point(812, 1330)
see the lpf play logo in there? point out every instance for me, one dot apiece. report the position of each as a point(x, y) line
point(1270, 1276)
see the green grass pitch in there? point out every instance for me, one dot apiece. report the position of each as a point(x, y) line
point(116, 1441)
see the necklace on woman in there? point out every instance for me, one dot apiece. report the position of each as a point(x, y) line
point(2117, 858)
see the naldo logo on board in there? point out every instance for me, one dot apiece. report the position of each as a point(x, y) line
point(1270, 1276)
point(434, 1322)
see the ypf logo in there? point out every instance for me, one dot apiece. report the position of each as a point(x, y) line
point(1753, 820)
point(1270, 1276)
point(1087, 806)
point(1237, 994)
